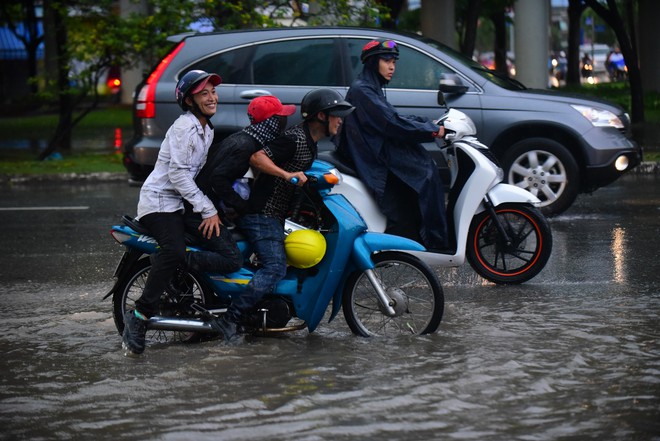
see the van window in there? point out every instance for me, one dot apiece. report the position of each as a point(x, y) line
point(414, 70)
point(308, 62)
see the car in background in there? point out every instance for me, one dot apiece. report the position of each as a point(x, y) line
point(554, 145)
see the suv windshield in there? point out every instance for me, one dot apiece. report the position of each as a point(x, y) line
point(498, 78)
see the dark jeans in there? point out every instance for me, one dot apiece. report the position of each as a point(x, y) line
point(220, 254)
point(266, 234)
point(169, 230)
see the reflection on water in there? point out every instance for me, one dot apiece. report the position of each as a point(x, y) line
point(619, 254)
point(574, 354)
point(539, 361)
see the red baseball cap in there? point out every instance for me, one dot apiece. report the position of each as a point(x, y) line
point(263, 107)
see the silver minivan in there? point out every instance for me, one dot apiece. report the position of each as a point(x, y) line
point(552, 144)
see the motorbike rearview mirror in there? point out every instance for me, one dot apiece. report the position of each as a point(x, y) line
point(449, 84)
point(441, 99)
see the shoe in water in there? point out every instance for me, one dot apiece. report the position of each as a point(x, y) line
point(133, 337)
point(228, 329)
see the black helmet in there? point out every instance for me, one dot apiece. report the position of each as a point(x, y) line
point(384, 48)
point(197, 78)
point(324, 100)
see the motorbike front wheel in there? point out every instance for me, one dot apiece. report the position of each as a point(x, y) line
point(185, 289)
point(412, 286)
point(519, 260)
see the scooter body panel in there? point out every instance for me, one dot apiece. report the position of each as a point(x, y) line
point(506, 193)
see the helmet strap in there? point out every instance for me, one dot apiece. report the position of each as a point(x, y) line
point(197, 111)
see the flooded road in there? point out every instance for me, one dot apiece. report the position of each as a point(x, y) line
point(573, 355)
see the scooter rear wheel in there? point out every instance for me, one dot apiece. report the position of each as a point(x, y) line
point(520, 260)
point(410, 283)
point(189, 288)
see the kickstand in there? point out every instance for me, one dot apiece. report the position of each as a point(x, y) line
point(206, 314)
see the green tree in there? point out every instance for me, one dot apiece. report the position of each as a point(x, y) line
point(23, 13)
point(90, 38)
point(575, 10)
point(625, 34)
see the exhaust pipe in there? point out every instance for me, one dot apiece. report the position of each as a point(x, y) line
point(178, 324)
point(195, 325)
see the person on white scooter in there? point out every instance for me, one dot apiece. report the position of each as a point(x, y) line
point(384, 148)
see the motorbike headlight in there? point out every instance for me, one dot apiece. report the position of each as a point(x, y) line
point(599, 117)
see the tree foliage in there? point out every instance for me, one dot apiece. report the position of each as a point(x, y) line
point(20, 17)
point(624, 29)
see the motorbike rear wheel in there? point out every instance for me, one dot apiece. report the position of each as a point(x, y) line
point(410, 283)
point(519, 261)
point(186, 288)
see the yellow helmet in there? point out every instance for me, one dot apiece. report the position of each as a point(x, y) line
point(304, 248)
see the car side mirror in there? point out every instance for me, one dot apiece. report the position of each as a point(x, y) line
point(450, 84)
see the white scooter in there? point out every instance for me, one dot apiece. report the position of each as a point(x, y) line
point(494, 225)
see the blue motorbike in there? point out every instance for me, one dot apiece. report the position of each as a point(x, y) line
point(381, 287)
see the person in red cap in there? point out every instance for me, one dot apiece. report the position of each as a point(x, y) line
point(165, 191)
point(278, 163)
point(228, 161)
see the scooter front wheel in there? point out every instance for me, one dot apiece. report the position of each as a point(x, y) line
point(415, 293)
point(523, 257)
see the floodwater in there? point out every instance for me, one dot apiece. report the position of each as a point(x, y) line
point(573, 354)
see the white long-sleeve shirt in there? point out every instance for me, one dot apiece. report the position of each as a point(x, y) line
point(182, 155)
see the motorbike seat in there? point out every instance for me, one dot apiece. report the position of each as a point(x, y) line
point(342, 163)
point(135, 224)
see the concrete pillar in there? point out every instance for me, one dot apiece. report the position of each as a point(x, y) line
point(438, 21)
point(532, 25)
point(649, 54)
point(130, 78)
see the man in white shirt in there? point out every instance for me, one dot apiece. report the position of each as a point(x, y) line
point(161, 205)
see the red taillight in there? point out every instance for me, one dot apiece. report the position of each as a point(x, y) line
point(145, 104)
point(119, 236)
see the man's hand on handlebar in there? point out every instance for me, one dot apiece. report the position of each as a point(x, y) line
point(297, 178)
point(440, 133)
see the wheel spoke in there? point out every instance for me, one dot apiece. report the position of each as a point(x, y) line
point(414, 300)
point(174, 303)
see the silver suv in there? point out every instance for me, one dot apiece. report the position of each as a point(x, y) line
point(554, 145)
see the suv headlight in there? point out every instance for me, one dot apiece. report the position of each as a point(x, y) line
point(599, 117)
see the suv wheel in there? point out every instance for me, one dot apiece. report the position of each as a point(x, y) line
point(546, 169)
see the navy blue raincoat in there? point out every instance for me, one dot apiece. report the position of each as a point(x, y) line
point(385, 150)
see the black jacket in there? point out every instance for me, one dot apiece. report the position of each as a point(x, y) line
point(226, 162)
point(379, 141)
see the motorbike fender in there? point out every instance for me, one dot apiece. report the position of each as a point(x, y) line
point(506, 193)
point(363, 247)
point(369, 243)
point(130, 257)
